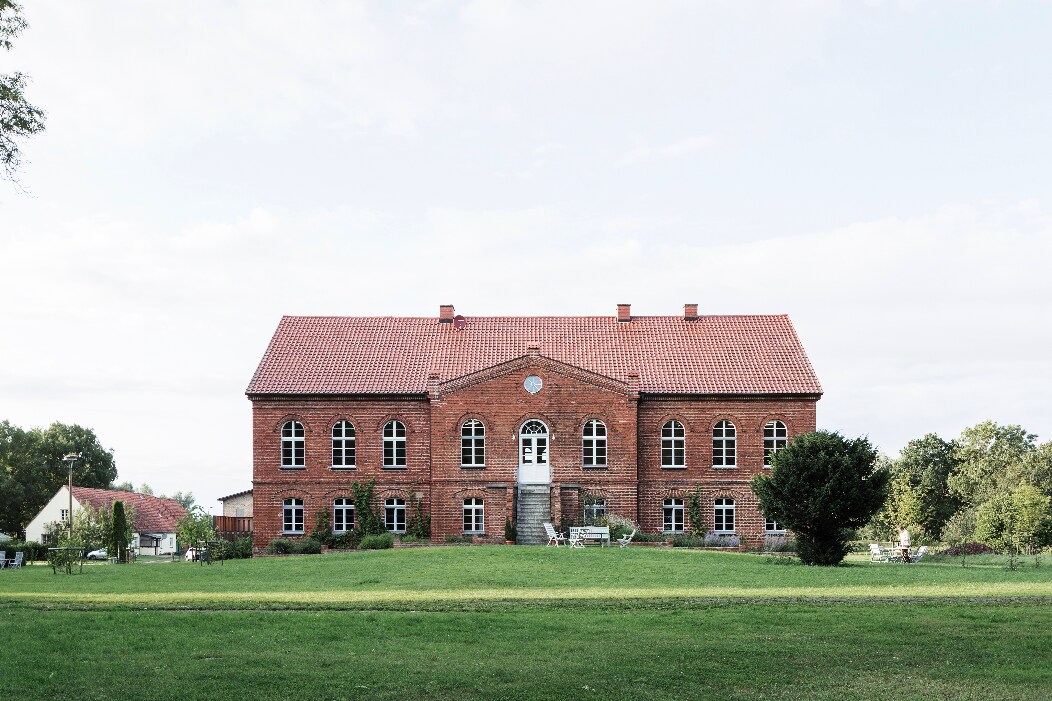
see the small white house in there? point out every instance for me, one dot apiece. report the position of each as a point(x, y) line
point(154, 520)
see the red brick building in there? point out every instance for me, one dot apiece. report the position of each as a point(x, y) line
point(533, 419)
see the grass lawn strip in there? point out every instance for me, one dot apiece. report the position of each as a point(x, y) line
point(857, 651)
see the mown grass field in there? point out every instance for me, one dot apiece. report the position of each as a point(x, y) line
point(528, 623)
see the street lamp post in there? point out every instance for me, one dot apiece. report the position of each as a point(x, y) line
point(71, 458)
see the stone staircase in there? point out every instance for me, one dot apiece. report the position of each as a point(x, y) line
point(533, 509)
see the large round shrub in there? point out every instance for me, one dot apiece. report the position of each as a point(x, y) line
point(822, 486)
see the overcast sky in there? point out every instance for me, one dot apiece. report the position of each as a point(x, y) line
point(881, 172)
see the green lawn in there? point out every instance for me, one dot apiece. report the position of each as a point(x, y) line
point(528, 623)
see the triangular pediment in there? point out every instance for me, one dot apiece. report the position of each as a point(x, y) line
point(525, 362)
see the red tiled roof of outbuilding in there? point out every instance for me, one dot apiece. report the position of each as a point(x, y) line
point(151, 514)
point(754, 354)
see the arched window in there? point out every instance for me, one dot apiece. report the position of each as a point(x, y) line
point(533, 443)
point(342, 515)
point(474, 516)
point(394, 444)
point(723, 444)
point(723, 516)
point(673, 444)
point(774, 439)
point(292, 516)
point(343, 444)
point(473, 444)
point(593, 444)
point(673, 516)
point(394, 515)
point(292, 444)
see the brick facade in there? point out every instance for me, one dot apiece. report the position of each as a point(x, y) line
point(633, 483)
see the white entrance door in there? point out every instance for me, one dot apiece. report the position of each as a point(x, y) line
point(533, 453)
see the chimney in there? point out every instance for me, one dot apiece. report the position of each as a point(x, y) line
point(445, 313)
point(533, 349)
point(690, 312)
point(624, 312)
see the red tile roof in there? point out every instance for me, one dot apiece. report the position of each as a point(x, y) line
point(758, 354)
point(152, 514)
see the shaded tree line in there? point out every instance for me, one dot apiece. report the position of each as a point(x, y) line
point(992, 484)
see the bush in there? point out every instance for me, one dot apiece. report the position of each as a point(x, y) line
point(32, 550)
point(412, 539)
point(346, 541)
point(641, 537)
point(822, 486)
point(619, 526)
point(687, 540)
point(968, 549)
point(309, 546)
point(237, 549)
point(459, 539)
point(777, 543)
point(377, 542)
point(280, 546)
point(719, 540)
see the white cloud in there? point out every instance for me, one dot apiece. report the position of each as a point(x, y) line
point(640, 154)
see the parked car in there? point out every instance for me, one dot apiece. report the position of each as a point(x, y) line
point(99, 554)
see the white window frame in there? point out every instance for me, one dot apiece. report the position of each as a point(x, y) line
point(724, 444)
point(394, 438)
point(673, 514)
point(594, 509)
point(394, 507)
point(673, 444)
point(473, 443)
point(593, 444)
point(775, 437)
point(341, 509)
point(293, 445)
point(344, 446)
point(292, 515)
point(722, 510)
point(474, 515)
point(539, 442)
point(63, 515)
point(772, 527)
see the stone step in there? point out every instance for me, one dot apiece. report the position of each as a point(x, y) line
point(533, 510)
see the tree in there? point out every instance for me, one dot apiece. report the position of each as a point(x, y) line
point(989, 457)
point(124, 486)
point(822, 486)
point(186, 500)
point(93, 526)
point(1013, 520)
point(122, 532)
point(18, 118)
point(195, 527)
point(929, 461)
point(32, 469)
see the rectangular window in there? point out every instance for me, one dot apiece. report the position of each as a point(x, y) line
point(723, 516)
point(64, 515)
point(474, 516)
point(770, 526)
point(342, 515)
point(292, 515)
point(673, 516)
point(394, 515)
point(594, 509)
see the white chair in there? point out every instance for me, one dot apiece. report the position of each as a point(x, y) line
point(577, 537)
point(877, 553)
point(16, 564)
point(919, 555)
point(624, 540)
point(554, 537)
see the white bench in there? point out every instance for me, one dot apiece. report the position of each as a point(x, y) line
point(584, 535)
